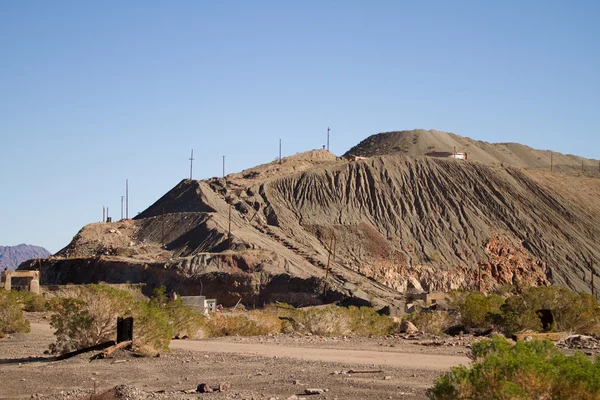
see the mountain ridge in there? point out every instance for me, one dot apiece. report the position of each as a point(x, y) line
point(12, 256)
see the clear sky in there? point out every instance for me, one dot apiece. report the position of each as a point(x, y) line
point(94, 92)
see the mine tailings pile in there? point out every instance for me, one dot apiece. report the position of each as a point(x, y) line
point(362, 229)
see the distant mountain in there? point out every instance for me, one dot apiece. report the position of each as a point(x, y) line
point(12, 256)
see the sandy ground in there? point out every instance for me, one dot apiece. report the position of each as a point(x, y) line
point(274, 367)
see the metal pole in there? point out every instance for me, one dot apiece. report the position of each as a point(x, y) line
point(280, 151)
point(328, 138)
point(126, 198)
point(191, 163)
point(122, 206)
point(103, 214)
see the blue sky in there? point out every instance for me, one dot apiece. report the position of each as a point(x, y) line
point(92, 93)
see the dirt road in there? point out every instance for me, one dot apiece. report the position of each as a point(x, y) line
point(256, 367)
point(365, 357)
point(433, 362)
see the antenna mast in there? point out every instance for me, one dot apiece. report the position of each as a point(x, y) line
point(328, 138)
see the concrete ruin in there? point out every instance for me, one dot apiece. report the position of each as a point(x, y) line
point(32, 276)
point(200, 303)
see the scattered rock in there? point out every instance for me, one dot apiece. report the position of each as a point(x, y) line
point(204, 388)
point(408, 327)
point(314, 391)
point(224, 386)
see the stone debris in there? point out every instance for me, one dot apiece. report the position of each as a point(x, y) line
point(408, 327)
point(204, 388)
point(579, 342)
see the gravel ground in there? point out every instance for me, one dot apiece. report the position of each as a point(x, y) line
point(25, 372)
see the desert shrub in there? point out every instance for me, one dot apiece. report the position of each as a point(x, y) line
point(365, 321)
point(477, 310)
point(152, 330)
point(184, 321)
point(34, 302)
point(322, 321)
point(253, 323)
point(336, 321)
point(90, 317)
point(577, 312)
point(434, 322)
point(527, 370)
point(11, 315)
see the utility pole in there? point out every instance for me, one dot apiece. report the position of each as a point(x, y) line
point(191, 163)
point(122, 197)
point(279, 150)
point(126, 198)
point(223, 166)
point(103, 214)
point(328, 138)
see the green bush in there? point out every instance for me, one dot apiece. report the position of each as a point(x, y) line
point(477, 310)
point(12, 319)
point(253, 323)
point(433, 322)
point(527, 370)
point(184, 321)
point(336, 321)
point(33, 302)
point(89, 317)
point(576, 312)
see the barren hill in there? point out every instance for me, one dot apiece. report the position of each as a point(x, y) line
point(315, 227)
point(420, 142)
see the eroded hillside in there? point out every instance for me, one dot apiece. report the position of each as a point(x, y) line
point(316, 228)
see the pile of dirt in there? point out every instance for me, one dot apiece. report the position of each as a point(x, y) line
point(316, 228)
point(420, 142)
